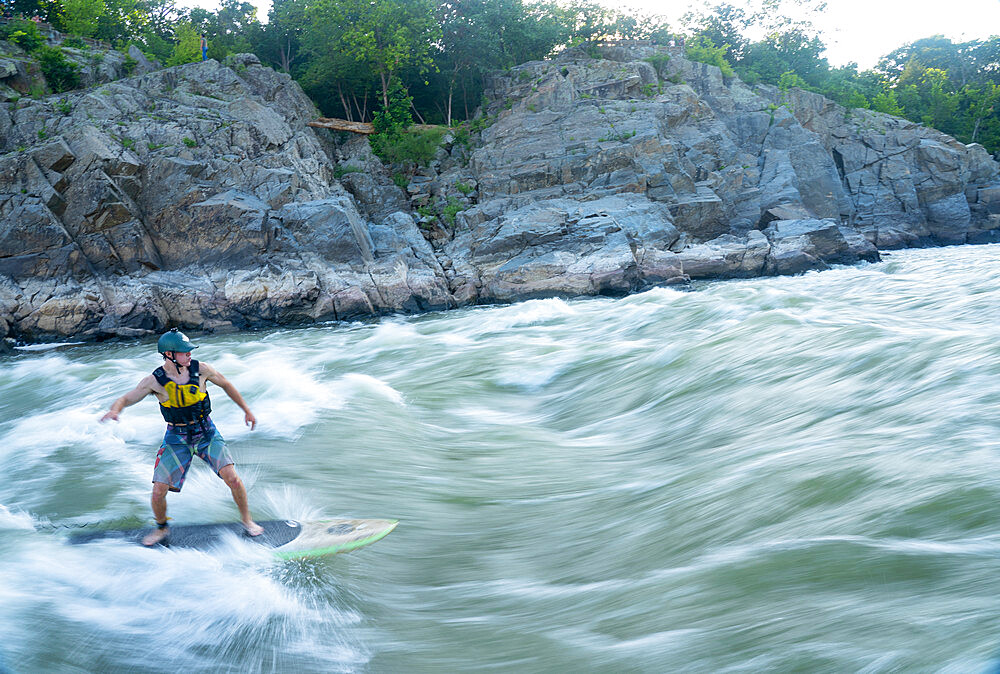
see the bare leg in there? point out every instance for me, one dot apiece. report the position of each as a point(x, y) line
point(159, 503)
point(235, 484)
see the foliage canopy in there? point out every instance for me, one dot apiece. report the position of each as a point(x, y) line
point(364, 59)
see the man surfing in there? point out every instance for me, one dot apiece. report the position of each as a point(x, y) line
point(180, 387)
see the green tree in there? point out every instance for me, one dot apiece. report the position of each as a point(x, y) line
point(789, 51)
point(81, 17)
point(49, 10)
point(385, 37)
point(857, 100)
point(886, 102)
point(337, 82)
point(587, 21)
point(467, 47)
point(122, 21)
point(23, 33)
point(703, 50)
point(60, 73)
point(233, 29)
point(791, 79)
point(280, 42)
point(726, 25)
point(188, 46)
point(980, 106)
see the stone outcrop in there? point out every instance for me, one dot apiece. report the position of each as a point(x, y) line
point(198, 196)
point(20, 74)
point(192, 196)
point(603, 176)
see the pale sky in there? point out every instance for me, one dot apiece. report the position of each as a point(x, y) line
point(865, 30)
point(853, 30)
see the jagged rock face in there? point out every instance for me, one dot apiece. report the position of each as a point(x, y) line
point(908, 185)
point(19, 73)
point(746, 182)
point(191, 196)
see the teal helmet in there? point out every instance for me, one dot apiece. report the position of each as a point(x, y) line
point(175, 341)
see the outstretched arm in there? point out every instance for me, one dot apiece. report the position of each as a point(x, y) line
point(144, 388)
point(214, 376)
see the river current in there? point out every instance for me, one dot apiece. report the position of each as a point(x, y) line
point(783, 474)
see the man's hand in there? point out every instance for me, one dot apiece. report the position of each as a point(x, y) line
point(110, 416)
point(250, 420)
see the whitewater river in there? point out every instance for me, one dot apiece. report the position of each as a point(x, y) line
point(790, 474)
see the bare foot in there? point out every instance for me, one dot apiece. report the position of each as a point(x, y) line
point(155, 536)
point(252, 528)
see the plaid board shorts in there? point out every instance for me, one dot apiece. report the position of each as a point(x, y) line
point(181, 444)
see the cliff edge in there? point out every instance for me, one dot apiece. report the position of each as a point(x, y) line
point(197, 196)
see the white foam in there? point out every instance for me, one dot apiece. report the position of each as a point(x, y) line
point(526, 313)
point(15, 520)
point(45, 347)
point(356, 383)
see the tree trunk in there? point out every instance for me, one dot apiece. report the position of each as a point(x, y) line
point(357, 106)
point(465, 97)
point(416, 112)
point(343, 103)
point(286, 61)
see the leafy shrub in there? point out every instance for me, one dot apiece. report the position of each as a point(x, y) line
point(129, 65)
point(341, 171)
point(703, 50)
point(23, 33)
point(462, 135)
point(60, 73)
point(857, 100)
point(74, 42)
point(450, 211)
point(64, 106)
point(189, 142)
point(886, 102)
point(658, 61)
point(790, 79)
point(410, 147)
point(392, 142)
point(395, 118)
point(188, 46)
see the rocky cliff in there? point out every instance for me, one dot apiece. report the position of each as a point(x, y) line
point(196, 196)
point(642, 167)
point(191, 196)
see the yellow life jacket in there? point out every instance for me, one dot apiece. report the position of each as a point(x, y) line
point(186, 403)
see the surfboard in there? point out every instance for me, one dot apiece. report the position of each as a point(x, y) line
point(290, 539)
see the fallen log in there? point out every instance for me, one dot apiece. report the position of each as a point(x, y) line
point(358, 127)
point(342, 125)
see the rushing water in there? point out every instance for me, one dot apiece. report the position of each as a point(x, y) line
point(790, 474)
